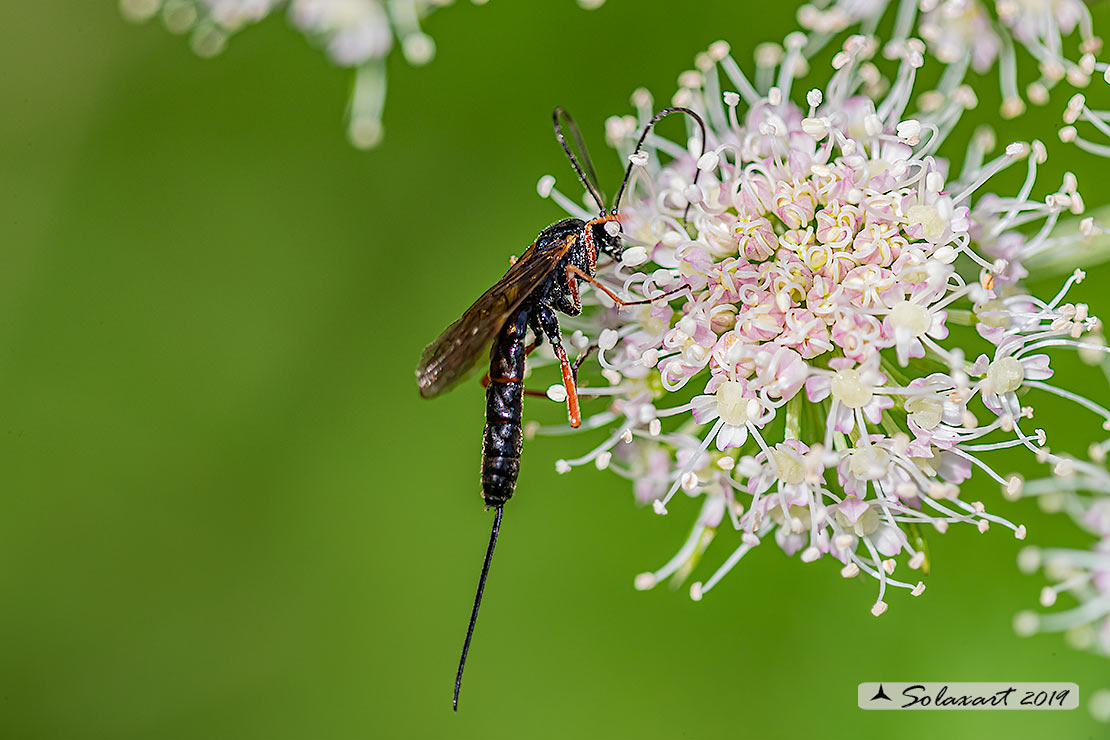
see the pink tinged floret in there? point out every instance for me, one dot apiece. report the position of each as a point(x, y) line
point(843, 419)
point(841, 363)
point(790, 542)
point(854, 487)
point(935, 219)
point(716, 380)
point(854, 110)
point(694, 264)
point(852, 508)
point(733, 355)
point(953, 468)
point(910, 320)
point(825, 296)
point(691, 330)
point(882, 206)
point(693, 339)
point(664, 256)
point(893, 155)
point(919, 448)
point(799, 161)
point(791, 451)
point(731, 436)
point(870, 286)
point(795, 202)
point(1009, 246)
point(678, 370)
point(755, 237)
point(780, 372)
point(888, 540)
point(837, 224)
point(852, 388)
point(718, 235)
point(797, 240)
point(722, 317)
point(805, 333)
point(818, 388)
point(836, 185)
point(731, 401)
point(1036, 367)
point(787, 279)
point(960, 220)
point(661, 311)
point(756, 195)
point(797, 446)
point(822, 541)
point(730, 275)
point(882, 181)
point(878, 243)
point(652, 483)
point(837, 263)
point(761, 319)
point(654, 321)
point(704, 408)
point(874, 410)
point(856, 334)
point(993, 334)
point(941, 436)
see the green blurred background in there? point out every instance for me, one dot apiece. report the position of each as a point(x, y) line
point(224, 511)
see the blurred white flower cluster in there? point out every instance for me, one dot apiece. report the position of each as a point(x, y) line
point(979, 35)
point(848, 339)
point(1082, 490)
point(354, 33)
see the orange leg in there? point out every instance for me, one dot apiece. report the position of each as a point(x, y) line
point(548, 324)
point(574, 270)
point(573, 411)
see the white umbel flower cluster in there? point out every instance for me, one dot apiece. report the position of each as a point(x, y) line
point(845, 339)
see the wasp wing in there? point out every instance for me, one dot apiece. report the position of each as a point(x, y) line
point(452, 356)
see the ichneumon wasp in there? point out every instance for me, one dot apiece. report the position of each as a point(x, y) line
point(547, 278)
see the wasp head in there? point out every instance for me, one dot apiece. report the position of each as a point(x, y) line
point(607, 234)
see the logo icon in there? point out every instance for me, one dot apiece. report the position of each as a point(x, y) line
point(881, 694)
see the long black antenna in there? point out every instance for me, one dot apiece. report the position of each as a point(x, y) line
point(558, 116)
point(477, 602)
point(639, 145)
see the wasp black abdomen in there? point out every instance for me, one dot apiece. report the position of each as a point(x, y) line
point(504, 407)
